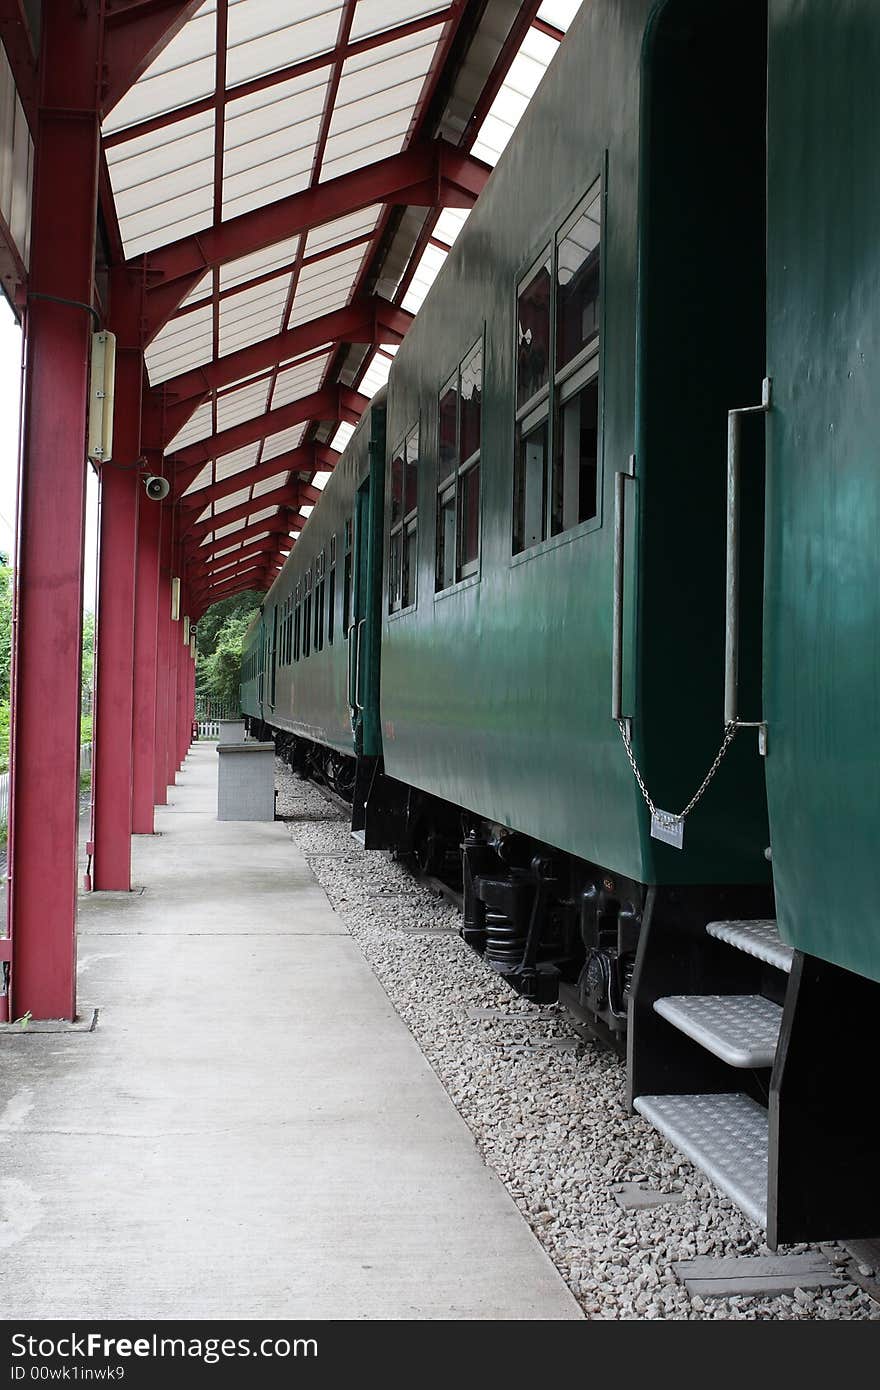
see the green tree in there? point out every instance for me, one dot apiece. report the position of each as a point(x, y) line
point(88, 658)
point(220, 633)
point(5, 630)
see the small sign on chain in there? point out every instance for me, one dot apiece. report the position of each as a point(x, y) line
point(668, 828)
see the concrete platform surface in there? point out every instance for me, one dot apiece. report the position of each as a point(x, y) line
point(250, 1131)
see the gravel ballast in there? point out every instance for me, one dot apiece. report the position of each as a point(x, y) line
point(544, 1102)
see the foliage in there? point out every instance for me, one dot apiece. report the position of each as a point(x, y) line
point(88, 653)
point(4, 735)
point(6, 662)
point(220, 635)
point(5, 630)
point(221, 671)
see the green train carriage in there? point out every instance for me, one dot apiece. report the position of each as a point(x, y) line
point(579, 543)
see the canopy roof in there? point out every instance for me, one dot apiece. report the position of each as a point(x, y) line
point(291, 175)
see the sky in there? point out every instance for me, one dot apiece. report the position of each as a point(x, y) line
point(10, 388)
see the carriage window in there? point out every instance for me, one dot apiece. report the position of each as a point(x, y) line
point(577, 285)
point(458, 492)
point(533, 334)
point(319, 602)
point(530, 484)
point(556, 455)
point(307, 614)
point(331, 593)
point(403, 544)
point(346, 581)
point(297, 623)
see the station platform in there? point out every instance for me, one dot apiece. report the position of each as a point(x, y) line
point(250, 1130)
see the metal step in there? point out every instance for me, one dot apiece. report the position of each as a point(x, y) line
point(741, 1029)
point(359, 835)
point(759, 939)
point(725, 1136)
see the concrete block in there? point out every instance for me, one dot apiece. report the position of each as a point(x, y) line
point(230, 731)
point(246, 781)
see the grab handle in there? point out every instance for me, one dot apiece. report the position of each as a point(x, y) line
point(732, 592)
point(357, 666)
point(620, 480)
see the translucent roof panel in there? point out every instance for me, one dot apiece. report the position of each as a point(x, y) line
point(518, 88)
point(203, 478)
point(228, 465)
point(198, 426)
point(449, 224)
point(426, 273)
point(376, 375)
point(183, 71)
point(243, 404)
point(326, 284)
point(252, 314)
point(280, 443)
point(299, 94)
point(299, 380)
point(559, 13)
point(185, 342)
point(263, 262)
point(343, 229)
point(265, 35)
point(270, 484)
point(376, 101)
point(321, 479)
point(342, 436)
point(270, 142)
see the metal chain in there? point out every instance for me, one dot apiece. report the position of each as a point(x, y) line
point(730, 732)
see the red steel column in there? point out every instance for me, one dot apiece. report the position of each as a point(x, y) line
point(44, 810)
point(173, 661)
point(146, 652)
point(163, 676)
point(114, 693)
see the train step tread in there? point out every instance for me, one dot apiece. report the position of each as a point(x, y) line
point(759, 939)
point(741, 1029)
point(726, 1136)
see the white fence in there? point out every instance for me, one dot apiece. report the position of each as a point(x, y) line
point(85, 765)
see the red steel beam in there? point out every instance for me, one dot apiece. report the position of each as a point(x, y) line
point(44, 778)
point(328, 404)
point(429, 174)
point(135, 32)
point(246, 579)
point(248, 533)
point(227, 562)
point(280, 497)
point(307, 458)
point(367, 320)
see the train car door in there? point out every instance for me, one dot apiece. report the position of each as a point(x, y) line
point(261, 649)
point(822, 596)
point(358, 612)
point(273, 648)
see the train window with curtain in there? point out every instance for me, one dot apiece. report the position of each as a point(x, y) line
point(331, 592)
point(556, 440)
point(297, 622)
point(458, 487)
point(403, 542)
